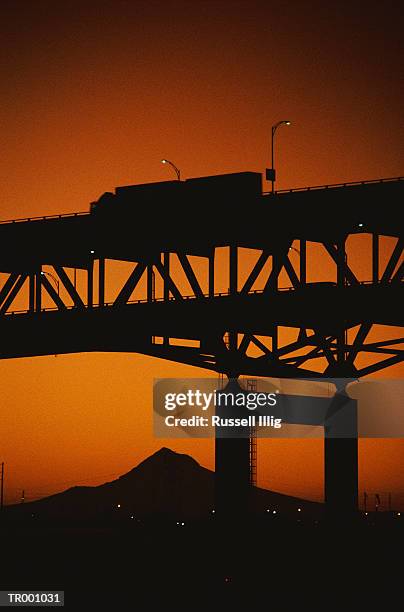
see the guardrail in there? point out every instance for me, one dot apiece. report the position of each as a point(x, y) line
point(45, 217)
point(338, 185)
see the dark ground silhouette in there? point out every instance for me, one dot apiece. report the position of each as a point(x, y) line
point(167, 486)
point(123, 562)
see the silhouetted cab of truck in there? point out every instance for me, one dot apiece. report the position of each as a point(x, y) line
point(196, 208)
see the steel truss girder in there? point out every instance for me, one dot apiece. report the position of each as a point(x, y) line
point(319, 343)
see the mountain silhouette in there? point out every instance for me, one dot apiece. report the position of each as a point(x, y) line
point(167, 484)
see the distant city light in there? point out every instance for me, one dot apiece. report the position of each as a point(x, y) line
point(274, 512)
point(299, 509)
point(366, 513)
point(119, 505)
point(182, 524)
point(268, 510)
point(398, 513)
point(360, 224)
point(213, 511)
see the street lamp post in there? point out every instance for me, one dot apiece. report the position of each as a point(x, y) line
point(174, 167)
point(270, 172)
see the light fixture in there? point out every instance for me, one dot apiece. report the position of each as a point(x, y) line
point(174, 167)
point(270, 172)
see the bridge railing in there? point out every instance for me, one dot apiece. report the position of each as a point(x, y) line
point(337, 185)
point(45, 217)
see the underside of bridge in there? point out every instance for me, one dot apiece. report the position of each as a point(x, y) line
point(218, 275)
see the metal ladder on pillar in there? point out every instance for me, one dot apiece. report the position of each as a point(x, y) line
point(222, 377)
point(252, 386)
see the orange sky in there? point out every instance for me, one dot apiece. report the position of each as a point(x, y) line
point(94, 94)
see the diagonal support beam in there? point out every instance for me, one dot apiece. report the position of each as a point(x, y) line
point(47, 285)
point(255, 272)
point(372, 345)
point(303, 341)
point(325, 345)
point(384, 351)
point(68, 285)
point(261, 346)
point(130, 285)
point(375, 367)
point(358, 342)
point(299, 360)
point(190, 274)
point(334, 253)
point(167, 278)
point(244, 344)
point(278, 262)
point(14, 291)
point(291, 272)
point(8, 285)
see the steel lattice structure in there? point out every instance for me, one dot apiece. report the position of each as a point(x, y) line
point(151, 225)
point(329, 323)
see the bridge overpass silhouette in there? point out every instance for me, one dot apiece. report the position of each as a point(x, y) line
point(150, 225)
